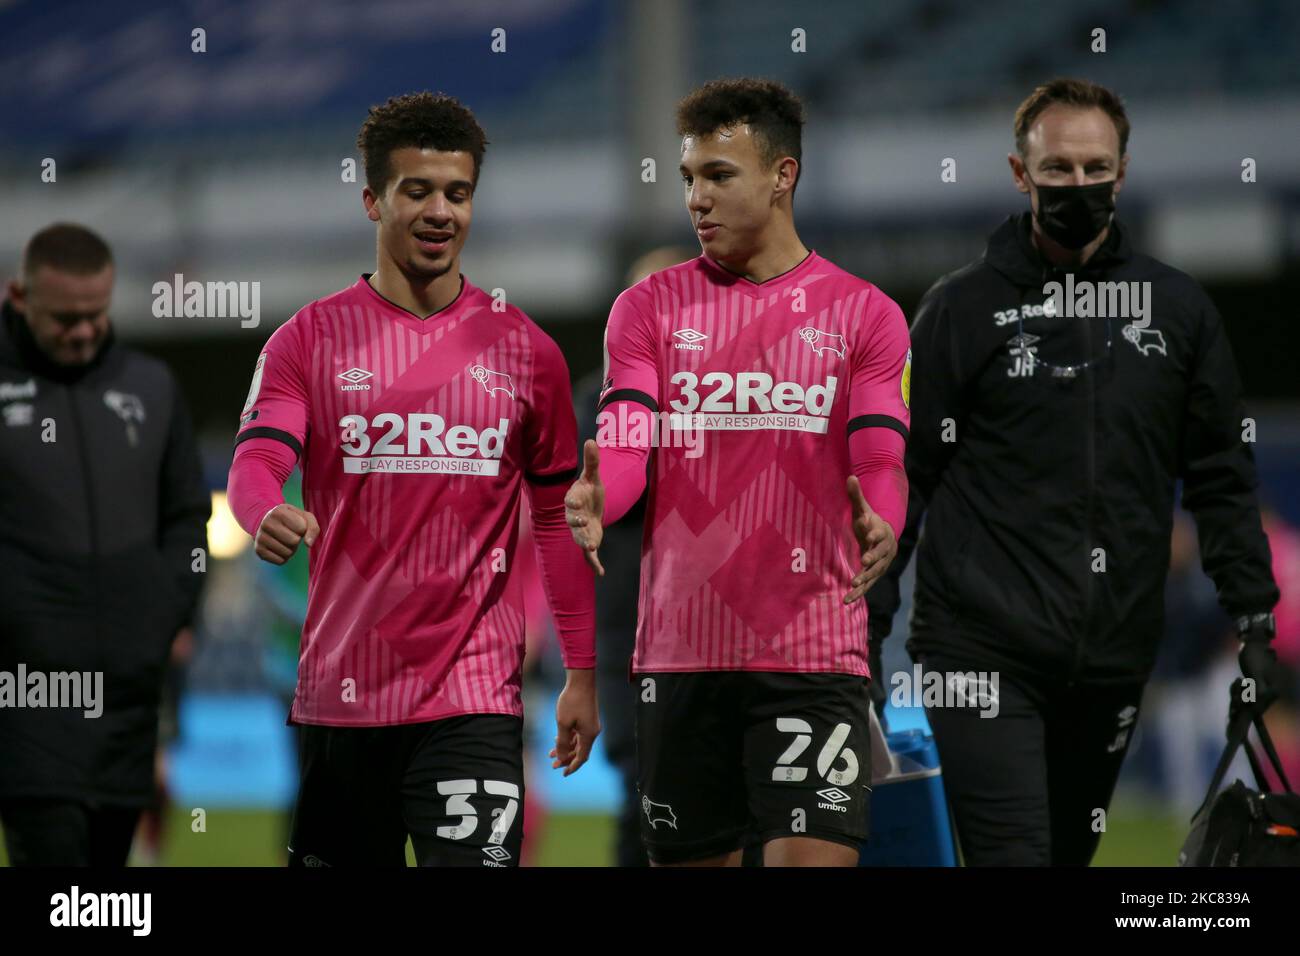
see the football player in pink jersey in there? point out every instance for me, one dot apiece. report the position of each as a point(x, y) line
point(419, 408)
point(766, 389)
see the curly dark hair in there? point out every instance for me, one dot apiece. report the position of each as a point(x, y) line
point(424, 120)
point(774, 114)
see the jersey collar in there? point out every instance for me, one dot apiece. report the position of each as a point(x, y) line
point(776, 284)
point(421, 322)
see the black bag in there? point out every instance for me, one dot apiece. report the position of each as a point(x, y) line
point(1240, 826)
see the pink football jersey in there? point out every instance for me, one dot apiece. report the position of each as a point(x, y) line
point(415, 437)
point(748, 547)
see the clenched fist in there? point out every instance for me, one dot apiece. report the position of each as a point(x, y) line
point(282, 529)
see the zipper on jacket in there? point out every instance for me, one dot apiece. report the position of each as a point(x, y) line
point(85, 471)
point(1090, 475)
point(93, 519)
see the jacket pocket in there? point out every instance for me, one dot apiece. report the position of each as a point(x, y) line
point(941, 561)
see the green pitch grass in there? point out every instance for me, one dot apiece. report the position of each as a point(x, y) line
point(257, 838)
point(1138, 836)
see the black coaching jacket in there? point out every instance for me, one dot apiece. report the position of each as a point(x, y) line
point(1048, 495)
point(102, 502)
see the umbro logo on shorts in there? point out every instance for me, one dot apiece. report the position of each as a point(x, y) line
point(832, 797)
point(496, 855)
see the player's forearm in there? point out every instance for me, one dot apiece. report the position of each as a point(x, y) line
point(566, 578)
point(624, 452)
point(623, 472)
point(876, 457)
point(257, 477)
point(581, 678)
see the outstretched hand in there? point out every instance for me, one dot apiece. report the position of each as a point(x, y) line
point(876, 542)
point(584, 506)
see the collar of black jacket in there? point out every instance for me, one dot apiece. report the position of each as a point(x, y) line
point(18, 341)
point(1011, 251)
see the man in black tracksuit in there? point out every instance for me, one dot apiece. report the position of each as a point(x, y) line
point(102, 505)
point(1045, 448)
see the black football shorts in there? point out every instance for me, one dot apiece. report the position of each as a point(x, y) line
point(455, 785)
point(724, 757)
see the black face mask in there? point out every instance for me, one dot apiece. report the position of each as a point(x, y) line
point(1075, 215)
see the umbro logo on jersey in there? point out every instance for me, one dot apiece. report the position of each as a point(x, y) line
point(823, 342)
point(689, 339)
point(1017, 343)
point(492, 381)
point(356, 379)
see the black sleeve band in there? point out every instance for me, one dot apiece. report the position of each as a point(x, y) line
point(878, 421)
point(265, 431)
point(629, 395)
point(559, 478)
